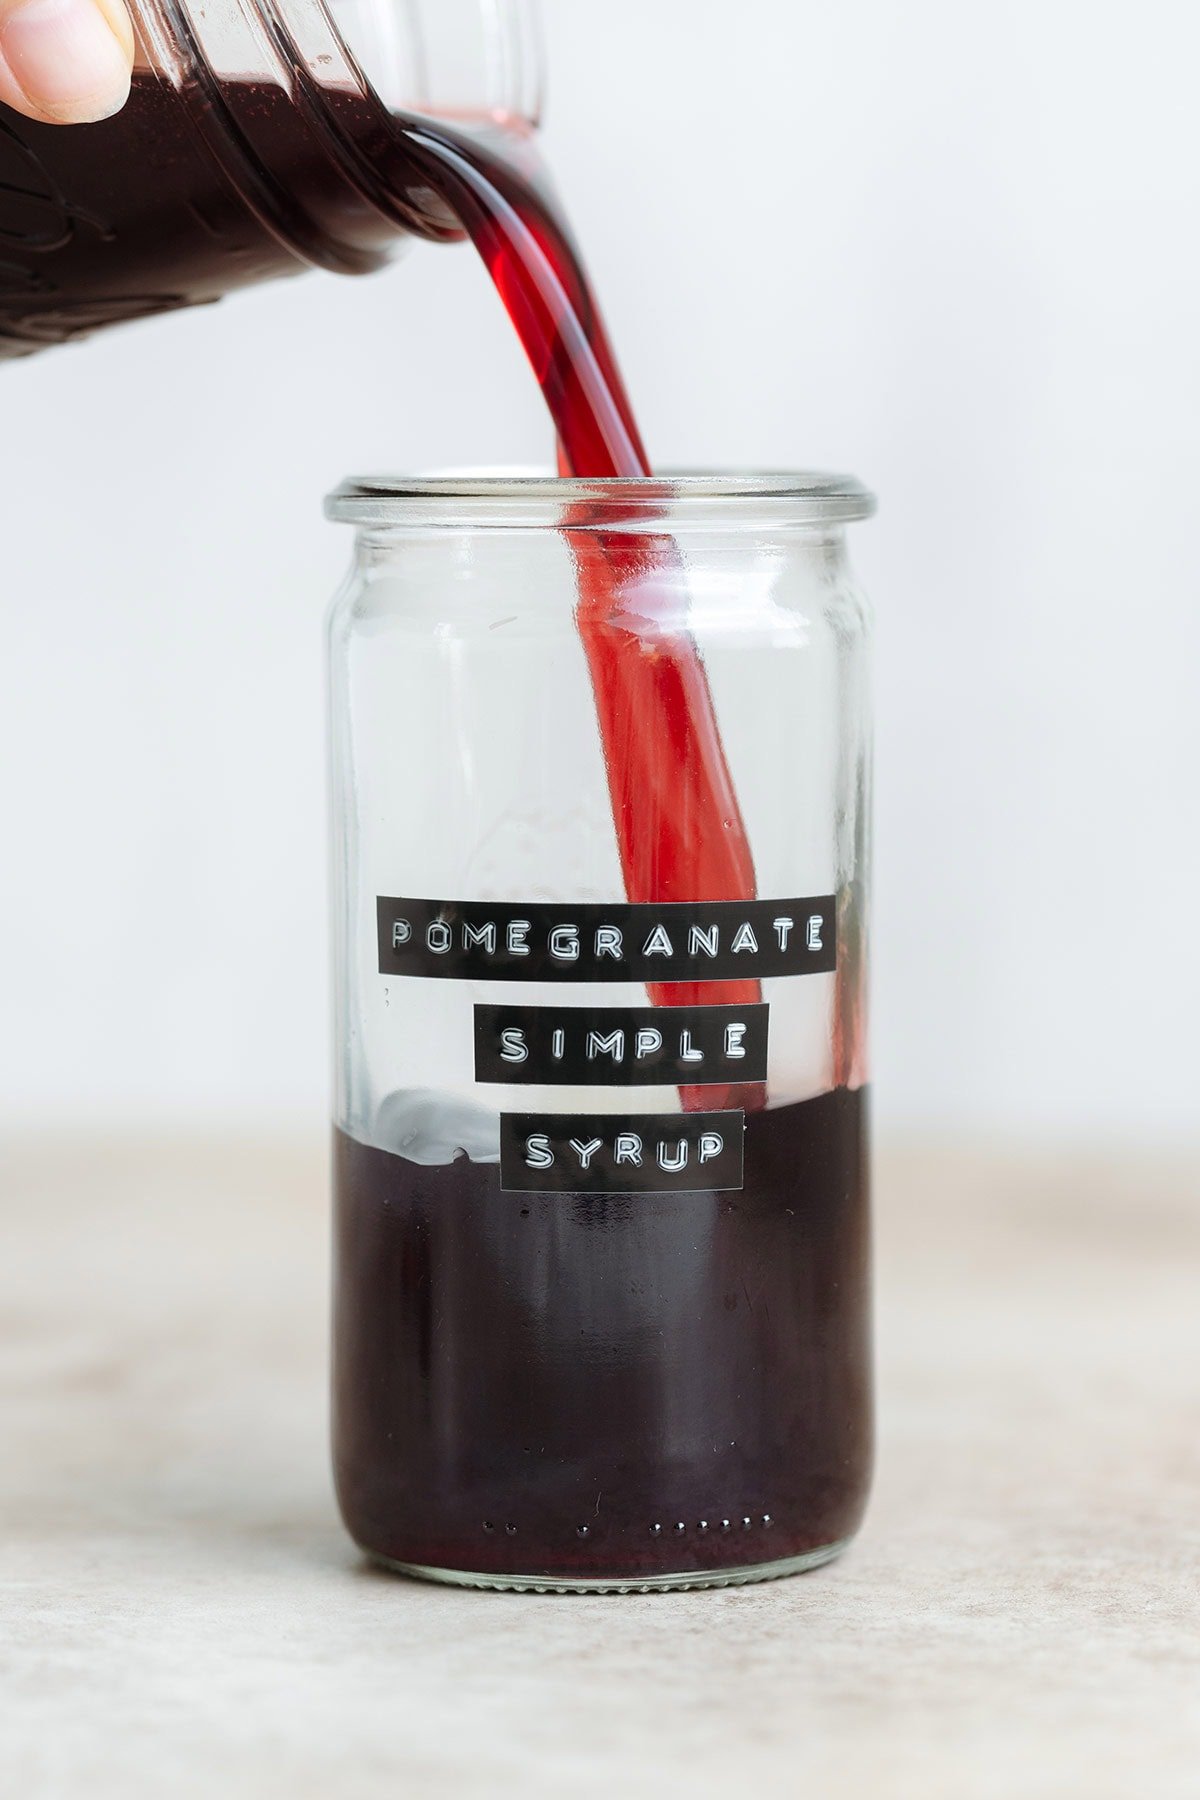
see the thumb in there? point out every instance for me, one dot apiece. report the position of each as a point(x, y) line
point(65, 61)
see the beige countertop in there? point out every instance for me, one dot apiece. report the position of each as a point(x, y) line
point(180, 1613)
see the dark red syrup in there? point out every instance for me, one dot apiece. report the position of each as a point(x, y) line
point(584, 1386)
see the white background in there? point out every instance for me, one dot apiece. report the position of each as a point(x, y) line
point(955, 249)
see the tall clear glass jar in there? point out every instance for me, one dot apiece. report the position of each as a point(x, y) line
point(602, 1294)
point(258, 140)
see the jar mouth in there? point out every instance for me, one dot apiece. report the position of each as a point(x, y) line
point(519, 497)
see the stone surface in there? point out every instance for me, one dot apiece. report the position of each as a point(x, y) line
point(179, 1611)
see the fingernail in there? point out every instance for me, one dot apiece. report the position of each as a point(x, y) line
point(65, 57)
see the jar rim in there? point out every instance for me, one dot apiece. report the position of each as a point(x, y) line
point(804, 497)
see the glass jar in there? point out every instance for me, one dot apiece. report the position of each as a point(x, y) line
point(602, 1310)
point(259, 139)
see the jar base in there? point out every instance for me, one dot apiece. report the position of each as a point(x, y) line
point(616, 1584)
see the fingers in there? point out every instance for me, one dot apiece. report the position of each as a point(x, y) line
point(65, 61)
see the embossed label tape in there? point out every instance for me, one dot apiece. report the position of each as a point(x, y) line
point(720, 940)
point(612, 1153)
point(620, 1046)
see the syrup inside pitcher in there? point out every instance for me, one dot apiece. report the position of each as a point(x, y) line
point(253, 144)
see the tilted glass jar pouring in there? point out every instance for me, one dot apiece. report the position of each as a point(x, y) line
point(258, 140)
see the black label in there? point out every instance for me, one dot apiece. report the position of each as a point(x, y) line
point(615, 1153)
point(719, 940)
point(620, 1046)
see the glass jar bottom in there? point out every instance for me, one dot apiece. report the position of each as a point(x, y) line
point(616, 1584)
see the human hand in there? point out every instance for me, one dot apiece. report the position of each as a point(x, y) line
point(65, 61)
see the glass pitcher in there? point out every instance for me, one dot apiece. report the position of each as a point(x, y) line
point(258, 140)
